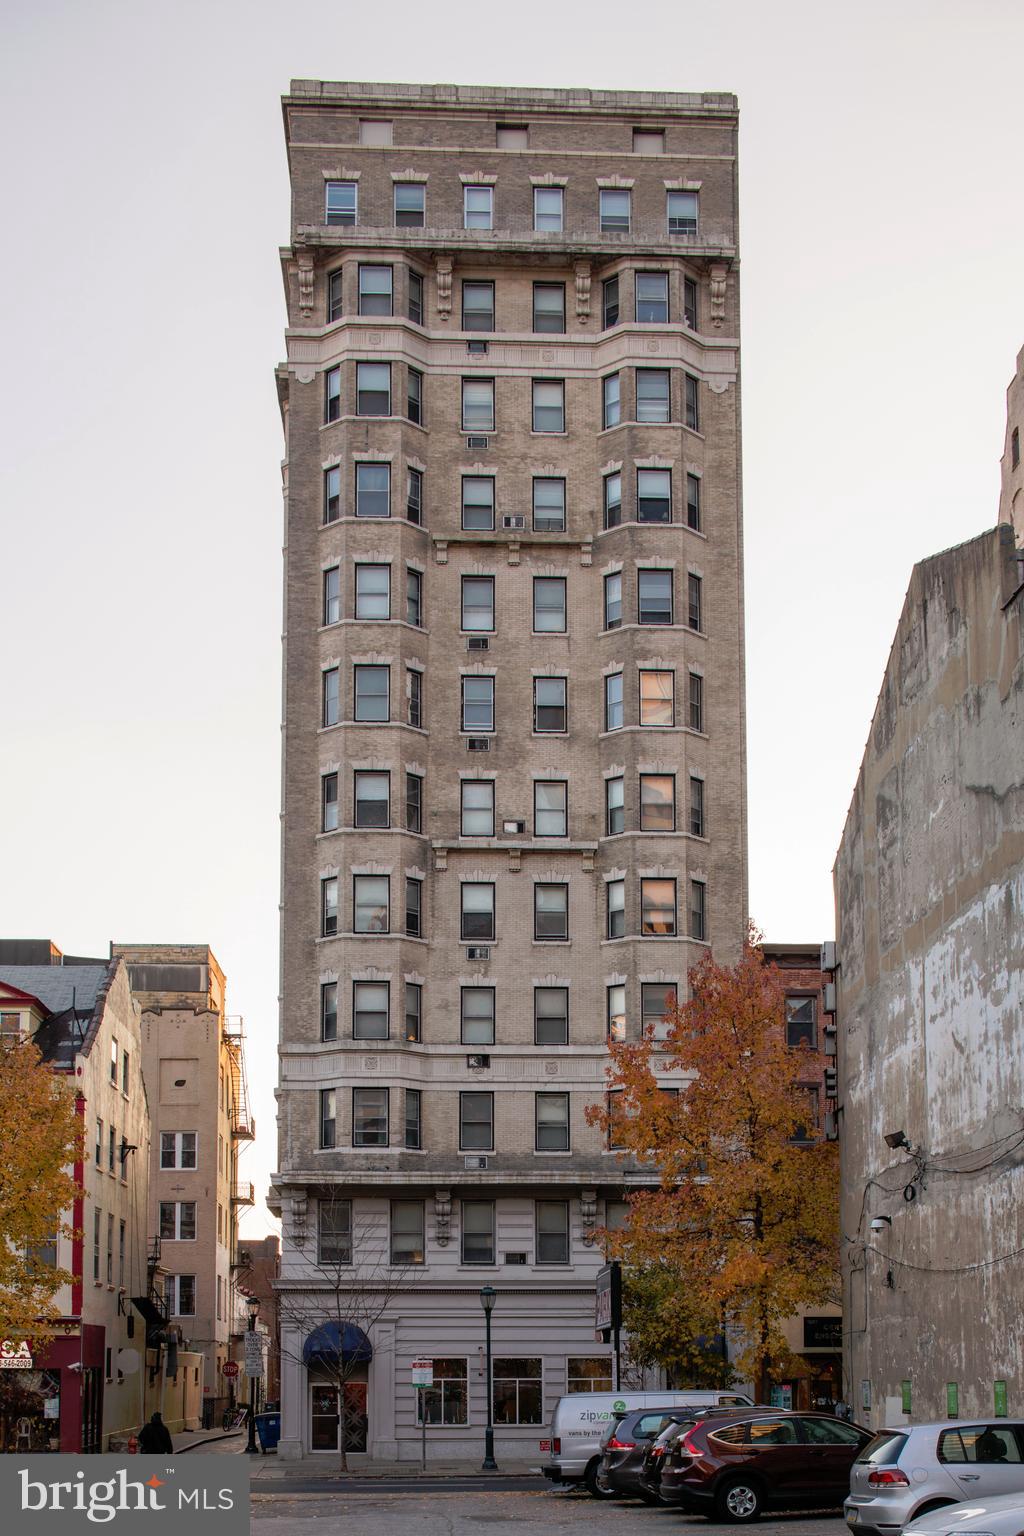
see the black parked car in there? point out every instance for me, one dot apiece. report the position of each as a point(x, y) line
point(622, 1449)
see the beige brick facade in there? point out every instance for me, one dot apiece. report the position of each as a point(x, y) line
point(373, 406)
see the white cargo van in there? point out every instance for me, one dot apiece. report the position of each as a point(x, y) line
point(581, 1418)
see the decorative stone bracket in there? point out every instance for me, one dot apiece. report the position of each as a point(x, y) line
point(442, 1216)
point(306, 273)
point(583, 291)
point(444, 286)
point(588, 1213)
point(717, 273)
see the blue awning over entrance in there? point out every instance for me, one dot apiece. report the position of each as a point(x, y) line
point(332, 1342)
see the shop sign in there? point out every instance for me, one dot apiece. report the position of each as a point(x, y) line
point(14, 1356)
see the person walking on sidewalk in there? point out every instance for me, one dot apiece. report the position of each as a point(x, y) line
point(155, 1438)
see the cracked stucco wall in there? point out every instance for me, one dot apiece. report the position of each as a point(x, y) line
point(929, 885)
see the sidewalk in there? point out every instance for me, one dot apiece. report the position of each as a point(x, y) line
point(310, 1468)
point(216, 1441)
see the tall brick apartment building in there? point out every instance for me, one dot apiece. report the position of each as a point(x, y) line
point(514, 762)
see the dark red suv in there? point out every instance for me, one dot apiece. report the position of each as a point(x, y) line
point(734, 1465)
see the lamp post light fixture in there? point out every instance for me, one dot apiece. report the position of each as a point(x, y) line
point(252, 1449)
point(488, 1296)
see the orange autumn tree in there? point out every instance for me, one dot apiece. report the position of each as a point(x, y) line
point(743, 1213)
point(40, 1139)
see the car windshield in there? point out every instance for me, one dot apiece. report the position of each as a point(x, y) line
point(884, 1449)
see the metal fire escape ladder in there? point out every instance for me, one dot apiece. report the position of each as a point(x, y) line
point(243, 1126)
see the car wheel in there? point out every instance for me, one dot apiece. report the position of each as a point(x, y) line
point(594, 1478)
point(739, 1501)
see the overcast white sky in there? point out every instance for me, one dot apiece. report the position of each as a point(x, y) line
point(145, 195)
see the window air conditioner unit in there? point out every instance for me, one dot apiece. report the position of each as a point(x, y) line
point(516, 520)
point(830, 1040)
point(478, 744)
point(477, 643)
point(476, 1062)
point(476, 442)
point(828, 957)
point(475, 1162)
point(831, 1126)
point(515, 1258)
point(831, 1082)
point(513, 826)
point(828, 997)
point(477, 348)
point(478, 952)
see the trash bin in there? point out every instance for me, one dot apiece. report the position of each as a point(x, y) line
point(268, 1427)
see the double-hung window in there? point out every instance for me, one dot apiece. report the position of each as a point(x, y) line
point(477, 704)
point(654, 495)
point(477, 1233)
point(413, 597)
point(657, 999)
point(549, 610)
point(551, 1015)
point(552, 1236)
point(478, 502)
point(369, 1117)
point(682, 213)
point(373, 389)
point(477, 1011)
point(372, 796)
point(549, 307)
point(341, 202)
point(329, 907)
point(693, 502)
point(330, 708)
point(654, 597)
point(658, 907)
point(332, 394)
point(695, 601)
point(334, 1231)
point(478, 207)
point(328, 1117)
point(613, 500)
point(477, 904)
point(478, 604)
point(408, 1245)
point(614, 210)
point(549, 704)
point(332, 494)
point(376, 288)
point(410, 204)
point(414, 697)
point(692, 401)
point(549, 405)
point(613, 600)
point(616, 1012)
point(415, 298)
point(801, 1021)
point(696, 701)
point(548, 208)
point(477, 808)
point(653, 397)
point(610, 302)
point(371, 903)
point(613, 701)
point(690, 302)
point(413, 802)
point(698, 909)
point(373, 490)
point(657, 802)
point(548, 504)
point(335, 295)
point(551, 1128)
point(611, 401)
point(657, 698)
point(550, 808)
point(180, 1295)
point(616, 890)
point(476, 1122)
point(370, 1010)
point(372, 693)
point(697, 818)
point(477, 306)
point(328, 1010)
point(614, 806)
point(413, 1010)
point(414, 396)
point(550, 912)
point(413, 907)
point(478, 405)
point(652, 298)
point(332, 594)
point(414, 496)
point(373, 592)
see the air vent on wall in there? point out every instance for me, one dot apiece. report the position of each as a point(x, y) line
point(478, 952)
point(478, 744)
point(475, 1162)
point(515, 1258)
point(476, 442)
point(475, 1063)
point(513, 826)
point(515, 520)
point(477, 643)
point(476, 348)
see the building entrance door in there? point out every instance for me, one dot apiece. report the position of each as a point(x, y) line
point(325, 1418)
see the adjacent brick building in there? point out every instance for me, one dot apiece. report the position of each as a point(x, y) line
point(514, 756)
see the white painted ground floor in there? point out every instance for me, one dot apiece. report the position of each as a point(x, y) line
point(542, 1344)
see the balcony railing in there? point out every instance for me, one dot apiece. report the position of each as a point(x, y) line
point(243, 1193)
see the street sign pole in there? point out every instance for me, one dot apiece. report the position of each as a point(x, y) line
point(422, 1378)
point(423, 1429)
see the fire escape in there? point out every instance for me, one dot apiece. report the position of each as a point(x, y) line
point(243, 1127)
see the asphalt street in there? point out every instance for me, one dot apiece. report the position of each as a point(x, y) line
point(452, 1509)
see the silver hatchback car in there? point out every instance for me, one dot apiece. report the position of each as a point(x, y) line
point(907, 1472)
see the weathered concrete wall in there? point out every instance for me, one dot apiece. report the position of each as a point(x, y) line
point(929, 886)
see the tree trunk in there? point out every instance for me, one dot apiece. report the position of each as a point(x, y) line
point(342, 1428)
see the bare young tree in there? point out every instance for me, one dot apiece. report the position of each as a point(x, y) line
point(349, 1285)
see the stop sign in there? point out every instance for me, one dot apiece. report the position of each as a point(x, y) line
point(230, 1368)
